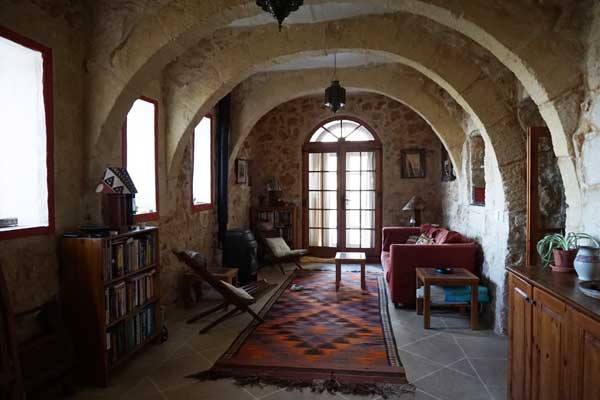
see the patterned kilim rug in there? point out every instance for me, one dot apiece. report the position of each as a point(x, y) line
point(335, 341)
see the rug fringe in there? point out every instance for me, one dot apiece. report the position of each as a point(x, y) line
point(331, 385)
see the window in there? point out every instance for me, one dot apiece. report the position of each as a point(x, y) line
point(342, 130)
point(140, 156)
point(202, 161)
point(477, 163)
point(26, 134)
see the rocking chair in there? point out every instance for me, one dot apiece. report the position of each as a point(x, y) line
point(11, 379)
point(241, 298)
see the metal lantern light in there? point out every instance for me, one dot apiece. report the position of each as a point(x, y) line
point(279, 9)
point(335, 94)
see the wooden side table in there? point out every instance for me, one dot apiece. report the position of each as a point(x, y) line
point(350, 258)
point(458, 277)
point(193, 281)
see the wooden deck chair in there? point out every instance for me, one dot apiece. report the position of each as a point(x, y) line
point(11, 380)
point(240, 298)
point(278, 251)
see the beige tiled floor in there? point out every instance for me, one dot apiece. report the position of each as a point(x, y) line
point(448, 362)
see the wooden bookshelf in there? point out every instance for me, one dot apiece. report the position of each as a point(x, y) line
point(112, 298)
point(284, 220)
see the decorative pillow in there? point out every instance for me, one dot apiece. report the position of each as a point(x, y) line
point(447, 237)
point(239, 291)
point(279, 247)
point(425, 228)
point(412, 240)
point(424, 239)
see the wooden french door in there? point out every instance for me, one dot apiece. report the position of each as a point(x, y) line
point(342, 198)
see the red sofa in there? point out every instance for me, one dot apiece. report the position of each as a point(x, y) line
point(399, 259)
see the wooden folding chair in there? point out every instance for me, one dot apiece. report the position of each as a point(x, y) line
point(11, 379)
point(233, 297)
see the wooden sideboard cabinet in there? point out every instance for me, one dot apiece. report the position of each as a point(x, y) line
point(554, 338)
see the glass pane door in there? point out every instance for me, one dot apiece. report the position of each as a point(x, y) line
point(322, 199)
point(360, 200)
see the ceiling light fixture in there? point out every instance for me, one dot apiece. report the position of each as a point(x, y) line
point(335, 94)
point(280, 9)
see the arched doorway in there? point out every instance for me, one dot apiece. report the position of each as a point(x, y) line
point(342, 188)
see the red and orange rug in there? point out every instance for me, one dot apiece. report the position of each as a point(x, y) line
point(335, 341)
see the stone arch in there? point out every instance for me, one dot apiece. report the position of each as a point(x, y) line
point(544, 56)
point(412, 90)
point(206, 74)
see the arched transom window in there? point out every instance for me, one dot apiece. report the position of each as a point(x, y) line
point(341, 130)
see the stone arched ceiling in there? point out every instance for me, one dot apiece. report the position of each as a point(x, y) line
point(536, 40)
point(258, 95)
point(209, 71)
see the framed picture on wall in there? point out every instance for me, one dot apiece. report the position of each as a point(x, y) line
point(241, 171)
point(412, 163)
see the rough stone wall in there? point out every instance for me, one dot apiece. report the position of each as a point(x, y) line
point(181, 228)
point(587, 138)
point(488, 226)
point(30, 264)
point(275, 150)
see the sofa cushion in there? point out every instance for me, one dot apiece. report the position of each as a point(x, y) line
point(412, 240)
point(445, 236)
point(424, 239)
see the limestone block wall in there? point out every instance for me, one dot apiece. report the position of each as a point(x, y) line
point(180, 227)
point(30, 264)
point(275, 149)
point(488, 225)
point(587, 138)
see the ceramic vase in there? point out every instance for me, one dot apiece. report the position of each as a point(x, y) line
point(587, 263)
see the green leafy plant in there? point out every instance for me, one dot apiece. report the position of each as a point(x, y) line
point(557, 241)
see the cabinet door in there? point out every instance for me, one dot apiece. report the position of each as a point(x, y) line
point(548, 380)
point(519, 333)
point(584, 365)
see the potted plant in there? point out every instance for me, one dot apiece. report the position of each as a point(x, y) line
point(561, 249)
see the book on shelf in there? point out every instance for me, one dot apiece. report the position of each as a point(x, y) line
point(124, 297)
point(127, 335)
point(128, 256)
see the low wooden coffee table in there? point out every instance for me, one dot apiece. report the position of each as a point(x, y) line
point(458, 277)
point(350, 258)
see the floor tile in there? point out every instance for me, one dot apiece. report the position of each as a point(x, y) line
point(463, 366)
point(174, 373)
point(498, 392)
point(305, 394)
point(436, 348)
point(491, 371)
point(211, 390)
point(451, 385)
point(416, 367)
point(496, 347)
point(260, 391)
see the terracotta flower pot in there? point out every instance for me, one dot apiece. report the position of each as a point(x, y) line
point(564, 258)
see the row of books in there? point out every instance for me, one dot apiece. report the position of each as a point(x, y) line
point(128, 256)
point(123, 297)
point(125, 336)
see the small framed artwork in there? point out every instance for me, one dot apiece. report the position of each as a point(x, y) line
point(447, 167)
point(412, 163)
point(241, 171)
